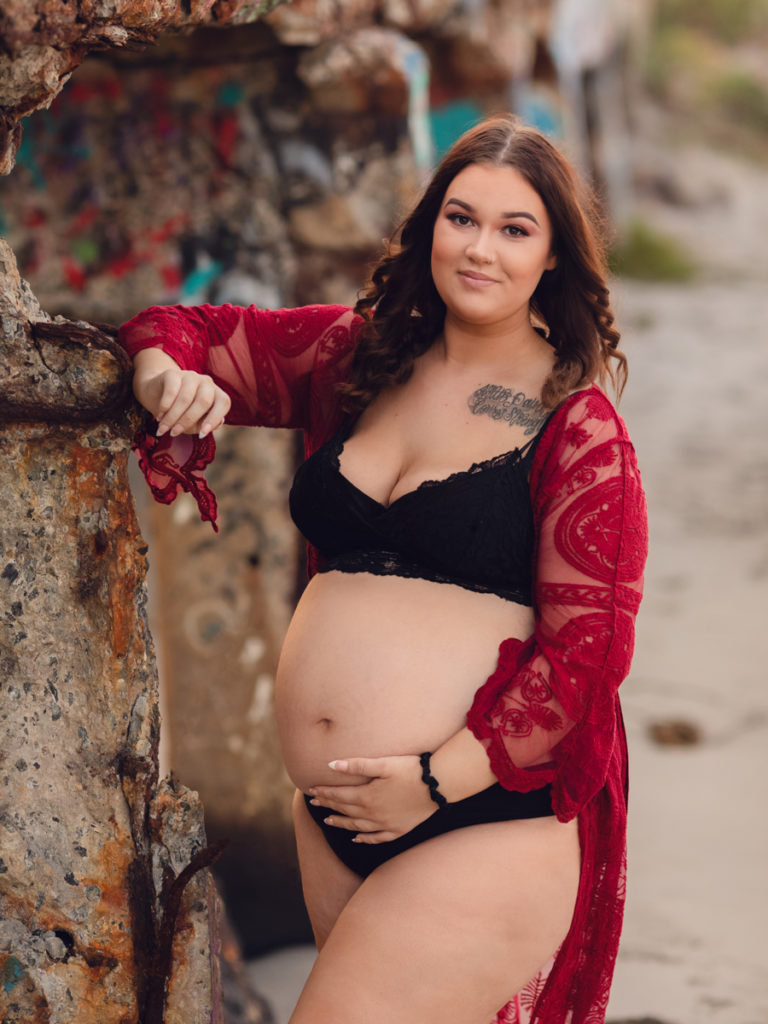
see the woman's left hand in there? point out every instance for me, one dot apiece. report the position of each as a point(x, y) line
point(394, 801)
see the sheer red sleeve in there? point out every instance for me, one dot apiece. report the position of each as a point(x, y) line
point(279, 367)
point(548, 712)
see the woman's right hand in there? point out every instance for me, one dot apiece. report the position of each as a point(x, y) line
point(182, 401)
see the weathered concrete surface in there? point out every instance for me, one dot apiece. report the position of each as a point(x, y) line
point(54, 370)
point(95, 919)
point(76, 703)
point(43, 41)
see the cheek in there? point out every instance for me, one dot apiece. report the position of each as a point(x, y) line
point(442, 251)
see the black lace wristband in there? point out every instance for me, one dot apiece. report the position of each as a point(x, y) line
point(430, 781)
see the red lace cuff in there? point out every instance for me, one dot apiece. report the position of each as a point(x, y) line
point(171, 464)
point(513, 656)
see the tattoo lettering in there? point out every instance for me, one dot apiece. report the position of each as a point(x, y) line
point(504, 404)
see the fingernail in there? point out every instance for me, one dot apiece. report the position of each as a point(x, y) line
point(162, 429)
point(206, 429)
point(355, 839)
point(315, 803)
point(327, 821)
point(338, 766)
point(175, 431)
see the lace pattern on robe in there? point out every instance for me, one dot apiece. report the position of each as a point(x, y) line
point(550, 710)
point(277, 366)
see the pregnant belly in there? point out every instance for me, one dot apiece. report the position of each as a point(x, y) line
point(377, 665)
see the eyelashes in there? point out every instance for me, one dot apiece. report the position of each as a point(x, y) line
point(463, 220)
point(459, 218)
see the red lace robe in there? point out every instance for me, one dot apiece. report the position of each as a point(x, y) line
point(550, 711)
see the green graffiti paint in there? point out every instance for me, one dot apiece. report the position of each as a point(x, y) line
point(231, 94)
point(85, 250)
point(26, 158)
point(452, 120)
point(199, 279)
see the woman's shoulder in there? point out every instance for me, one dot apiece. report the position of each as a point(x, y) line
point(588, 410)
point(584, 428)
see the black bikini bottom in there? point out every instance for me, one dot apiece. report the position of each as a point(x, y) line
point(492, 804)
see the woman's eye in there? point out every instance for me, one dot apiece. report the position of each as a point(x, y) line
point(514, 231)
point(460, 218)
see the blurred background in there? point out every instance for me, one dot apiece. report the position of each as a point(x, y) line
point(265, 163)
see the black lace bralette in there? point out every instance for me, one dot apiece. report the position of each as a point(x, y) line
point(474, 528)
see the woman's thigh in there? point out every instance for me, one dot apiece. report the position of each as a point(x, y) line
point(448, 931)
point(327, 884)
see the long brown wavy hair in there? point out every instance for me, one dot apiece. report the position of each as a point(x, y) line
point(403, 312)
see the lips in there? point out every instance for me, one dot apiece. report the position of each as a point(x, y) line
point(476, 277)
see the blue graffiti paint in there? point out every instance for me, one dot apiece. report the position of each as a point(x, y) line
point(11, 973)
point(417, 70)
point(539, 108)
point(452, 120)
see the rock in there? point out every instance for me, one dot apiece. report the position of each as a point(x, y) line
point(357, 218)
point(42, 41)
point(87, 934)
point(309, 22)
point(675, 733)
point(366, 71)
point(416, 15)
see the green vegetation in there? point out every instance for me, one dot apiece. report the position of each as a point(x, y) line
point(741, 97)
point(730, 21)
point(705, 60)
point(646, 254)
point(677, 60)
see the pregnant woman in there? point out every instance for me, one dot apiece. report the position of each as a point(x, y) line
point(447, 692)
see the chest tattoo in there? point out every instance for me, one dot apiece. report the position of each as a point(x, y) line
point(505, 404)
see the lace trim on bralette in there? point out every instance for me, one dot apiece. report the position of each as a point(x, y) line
point(511, 457)
point(390, 563)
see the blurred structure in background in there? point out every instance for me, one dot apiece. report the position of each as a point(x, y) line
point(265, 163)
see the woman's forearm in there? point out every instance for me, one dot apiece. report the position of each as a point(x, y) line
point(182, 401)
point(461, 766)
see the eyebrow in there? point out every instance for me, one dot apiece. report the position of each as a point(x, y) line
point(504, 216)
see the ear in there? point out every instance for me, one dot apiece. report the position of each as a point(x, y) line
point(551, 261)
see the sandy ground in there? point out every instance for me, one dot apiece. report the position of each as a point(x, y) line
point(694, 949)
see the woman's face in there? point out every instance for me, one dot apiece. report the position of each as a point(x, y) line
point(491, 243)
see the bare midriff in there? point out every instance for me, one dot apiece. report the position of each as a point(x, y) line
point(379, 665)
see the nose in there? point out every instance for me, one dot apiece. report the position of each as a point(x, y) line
point(480, 250)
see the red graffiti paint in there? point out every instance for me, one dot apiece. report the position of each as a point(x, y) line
point(35, 217)
point(122, 265)
point(85, 218)
point(227, 132)
point(101, 88)
point(168, 228)
point(75, 274)
point(171, 277)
